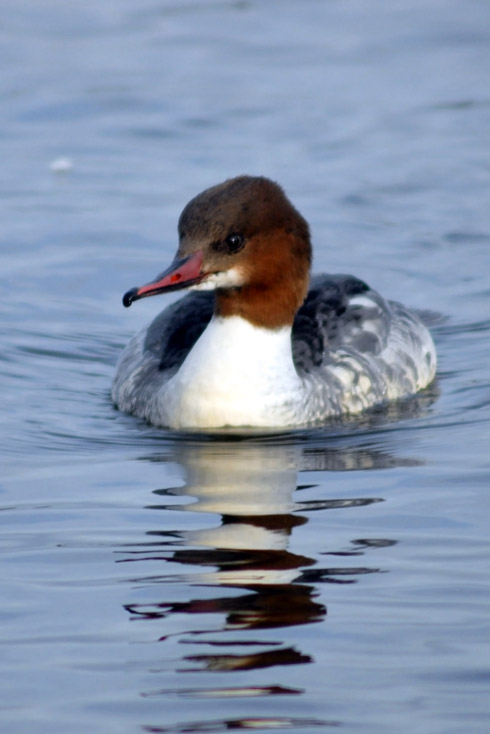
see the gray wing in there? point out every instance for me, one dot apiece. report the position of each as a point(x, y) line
point(153, 355)
point(340, 311)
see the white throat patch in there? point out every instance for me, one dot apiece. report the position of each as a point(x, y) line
point(232, 278)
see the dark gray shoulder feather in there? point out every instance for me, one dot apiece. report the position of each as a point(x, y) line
point(340, 311)
point(174, 332)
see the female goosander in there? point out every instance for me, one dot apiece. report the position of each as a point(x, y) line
point(264, 346)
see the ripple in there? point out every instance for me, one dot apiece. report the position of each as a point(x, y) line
point(275, 723)
point(229, 692)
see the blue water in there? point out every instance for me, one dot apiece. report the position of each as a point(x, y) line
point(162, 582)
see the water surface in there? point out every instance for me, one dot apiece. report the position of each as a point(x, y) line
point(304, 581)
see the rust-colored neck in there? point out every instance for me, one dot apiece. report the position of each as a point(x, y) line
point(276, 282)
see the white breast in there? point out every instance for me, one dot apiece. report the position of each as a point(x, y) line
point(236, 374)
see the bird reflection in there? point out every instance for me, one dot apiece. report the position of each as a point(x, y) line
point(252, 488)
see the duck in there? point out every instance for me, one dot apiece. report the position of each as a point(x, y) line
point(258, 342)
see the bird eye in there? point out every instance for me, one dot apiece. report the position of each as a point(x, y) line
point(234, 242)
